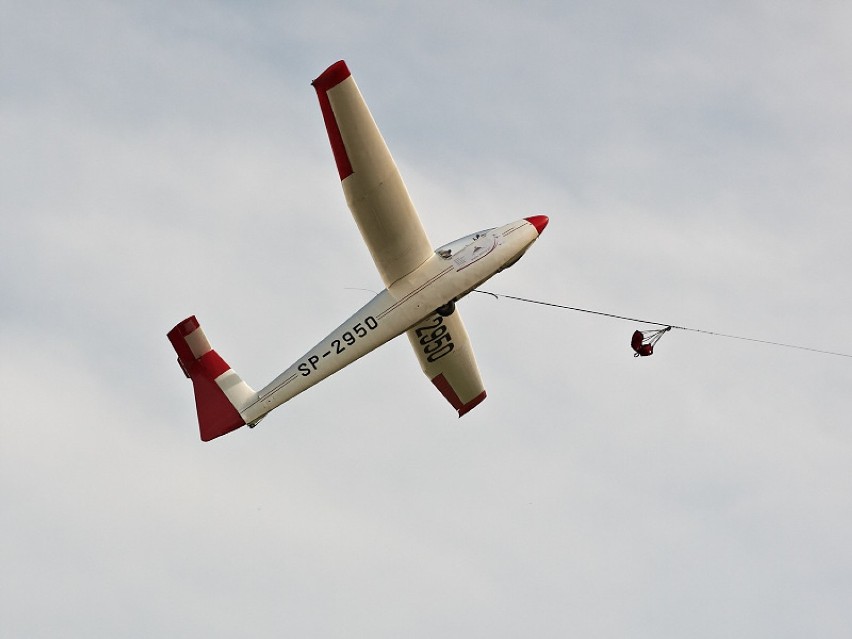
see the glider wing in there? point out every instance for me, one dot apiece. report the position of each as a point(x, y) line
point(373, 187)
point(446, 356)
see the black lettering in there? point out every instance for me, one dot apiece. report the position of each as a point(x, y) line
point(434, 345)
point(437, 321)
point(446, 349)
point(435, 334)
point(303, 368)
point(312, 360)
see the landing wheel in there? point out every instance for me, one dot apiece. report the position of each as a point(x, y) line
point(447, 309)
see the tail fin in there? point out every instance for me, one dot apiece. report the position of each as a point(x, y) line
point(219, 392)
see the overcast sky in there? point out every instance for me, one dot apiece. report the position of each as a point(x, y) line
point(162, 159)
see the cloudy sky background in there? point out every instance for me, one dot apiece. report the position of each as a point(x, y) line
point(163, 159)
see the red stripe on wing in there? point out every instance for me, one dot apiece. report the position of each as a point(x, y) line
point(330, 78)
point(447, 391)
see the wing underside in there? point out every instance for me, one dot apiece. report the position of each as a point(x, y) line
point(374, 189)
point(446, 356)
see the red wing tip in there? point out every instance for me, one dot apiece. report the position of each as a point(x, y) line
point(451, 396)
point(476, 401)
point(332, 76)
point(538, 221)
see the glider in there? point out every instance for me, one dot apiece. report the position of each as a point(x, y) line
point(422, 284)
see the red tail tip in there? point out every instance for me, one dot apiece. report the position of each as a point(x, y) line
point(538, 221)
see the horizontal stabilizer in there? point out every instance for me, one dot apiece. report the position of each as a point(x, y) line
point(219, 392)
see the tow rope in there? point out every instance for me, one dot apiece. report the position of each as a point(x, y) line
point(656, 335)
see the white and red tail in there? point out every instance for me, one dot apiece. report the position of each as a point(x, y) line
point(220, 394)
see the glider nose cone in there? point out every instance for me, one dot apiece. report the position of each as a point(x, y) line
point(538, 221)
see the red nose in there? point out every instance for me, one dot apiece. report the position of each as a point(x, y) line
point(538, 221)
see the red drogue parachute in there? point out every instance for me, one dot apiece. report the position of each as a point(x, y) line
point(643, 342)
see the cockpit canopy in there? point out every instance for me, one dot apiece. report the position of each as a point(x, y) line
point(447, 251)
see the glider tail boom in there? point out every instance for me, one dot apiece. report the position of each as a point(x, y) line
point(220, 393)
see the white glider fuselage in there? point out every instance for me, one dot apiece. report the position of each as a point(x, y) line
point(448, 275)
